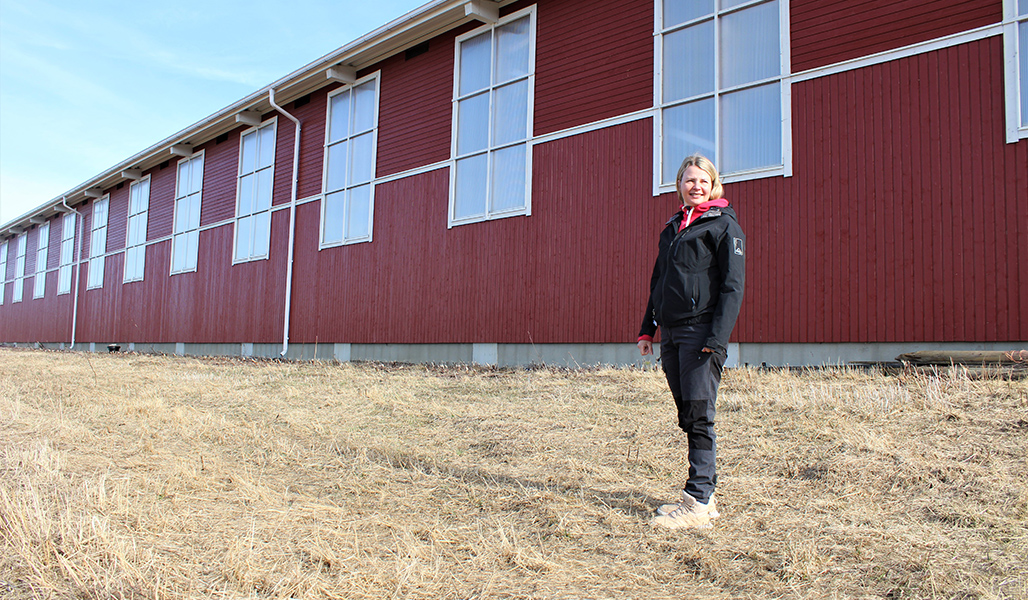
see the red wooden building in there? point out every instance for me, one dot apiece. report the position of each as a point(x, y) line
point(485, 181)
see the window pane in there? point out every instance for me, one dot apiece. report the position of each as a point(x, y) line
point(261, 233)
point(359, 219)
point(726, 4)
point(182, 215)
point(688, 68)
point(339, 128)
point(688, 129)
point(245, 195)
point(194, 212)
point(510, 113)
point(362, 159)
point(194, 249)
point(471, 187)
point(680, 11)
point(248, 162)
point(1022, 29)
point(244, 229)
point(196, 175)
point(140, 261)
point(749, 45)
point(336, 178)
point(474, 63)
point(509, 178)
point(364, 107)
point(262, 197)
point(512, 51)
point(1022, 8)
point(178, 250)
point(267, 146)
point(473, 124)
point(182, 184)
point(332, 226)
point(751, 128)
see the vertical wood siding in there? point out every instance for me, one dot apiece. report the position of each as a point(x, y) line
point(824, 33)
point(591, 69)
point(905, 212)
point(415, 107)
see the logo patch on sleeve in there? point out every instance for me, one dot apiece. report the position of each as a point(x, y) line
point(738, 244)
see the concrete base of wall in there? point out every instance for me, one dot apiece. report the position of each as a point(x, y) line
point(563, 355)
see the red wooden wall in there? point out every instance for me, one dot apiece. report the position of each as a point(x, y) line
point(902, 222)
point(826, 32)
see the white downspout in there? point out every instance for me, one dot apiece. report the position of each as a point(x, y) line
point(78, 266)
point(292, 219)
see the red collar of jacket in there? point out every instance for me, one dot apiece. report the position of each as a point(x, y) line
point(689, 216)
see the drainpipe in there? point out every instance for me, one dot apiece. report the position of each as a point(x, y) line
point(292, 219)
point(78, 266)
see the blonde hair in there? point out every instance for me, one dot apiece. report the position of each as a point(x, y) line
point(701, 162)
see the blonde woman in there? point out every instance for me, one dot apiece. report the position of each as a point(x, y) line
point(695, 294)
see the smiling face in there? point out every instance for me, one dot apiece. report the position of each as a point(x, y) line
point(694, 186)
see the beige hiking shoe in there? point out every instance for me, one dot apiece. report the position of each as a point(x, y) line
point(664, 509)
point(690, 514)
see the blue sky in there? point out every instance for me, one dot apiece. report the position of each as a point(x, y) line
point(87, 84)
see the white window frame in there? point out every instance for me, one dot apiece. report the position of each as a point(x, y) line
point(98, 244)
point(20, 251)
point(783, 79)
point(490, 148)
point(1016, 87)
point(68, 224)
point(42, 256)
point(376, 77)
point(138, 249)
point(3, 271)
point(273, 123)
point(182, 232)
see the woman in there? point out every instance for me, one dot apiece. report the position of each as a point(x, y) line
point(695, 294)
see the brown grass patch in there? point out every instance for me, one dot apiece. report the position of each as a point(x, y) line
point(134, 476)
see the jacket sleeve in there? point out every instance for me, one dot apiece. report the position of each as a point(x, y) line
point(649, 326)
point(732, 262)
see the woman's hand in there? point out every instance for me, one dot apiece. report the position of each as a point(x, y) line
point(645, 347)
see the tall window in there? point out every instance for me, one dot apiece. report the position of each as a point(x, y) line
point(185, 243)
point(19, 267)
point(350, 150)
point(719, 85)
point(1015, 45)
point(492, 115)
point(3, 271)
point(67, 254)
point(42, 254)
point(253, 208)
point(98, 244)
point(135, 243)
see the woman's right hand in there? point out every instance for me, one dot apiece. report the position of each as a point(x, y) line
point(645, 347)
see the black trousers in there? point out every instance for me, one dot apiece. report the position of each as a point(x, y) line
point(693, 377)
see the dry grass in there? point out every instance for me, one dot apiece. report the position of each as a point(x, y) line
point(131, 476)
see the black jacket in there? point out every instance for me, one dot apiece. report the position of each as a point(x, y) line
point(699, 275)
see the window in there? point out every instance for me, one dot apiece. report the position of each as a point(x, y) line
point(719, 85)
point(3, 271)
point(42, 254)
point(493, 96)
point(98, 244)
point(253, 207)
point(19, 268)
point(67, 254)
point(350, 150)
point(1015, 45)
point(135, 242)
point(185, 243)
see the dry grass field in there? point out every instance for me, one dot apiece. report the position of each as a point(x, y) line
point(137, 476)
